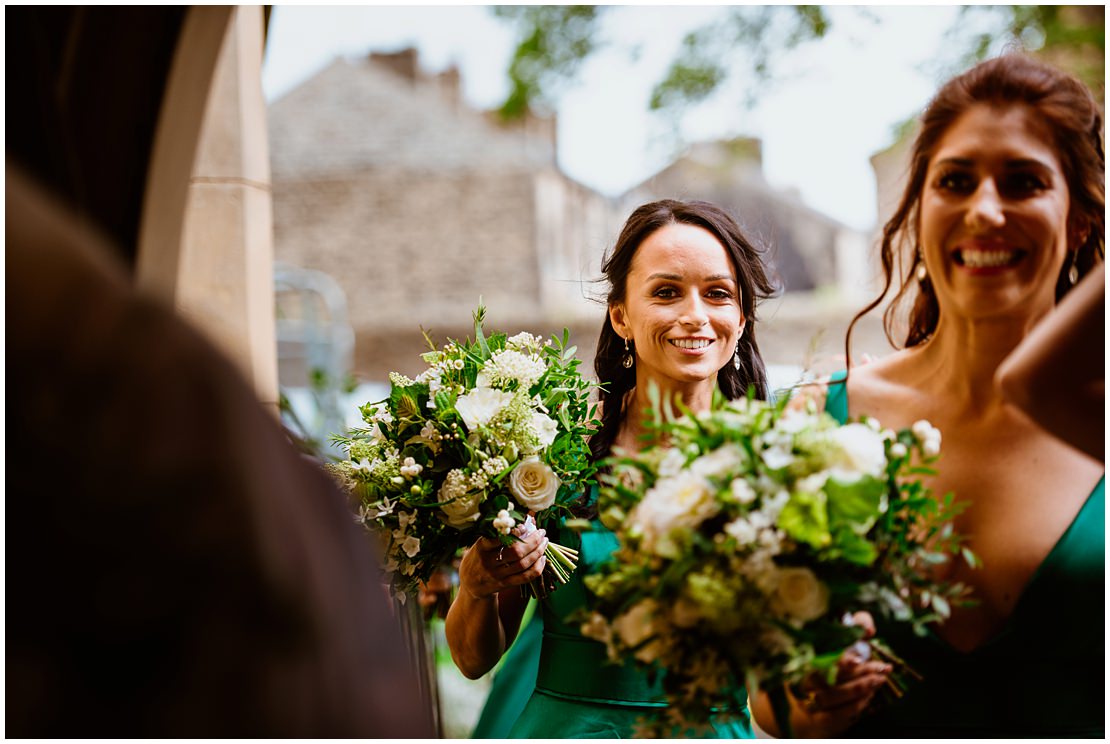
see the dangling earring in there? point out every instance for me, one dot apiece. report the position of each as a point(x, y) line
point(1073, 272)
point(628, 359)
point(736, 357)
point(922, 273)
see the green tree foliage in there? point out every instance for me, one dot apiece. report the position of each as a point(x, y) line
point(749, 42)
point(553, 41)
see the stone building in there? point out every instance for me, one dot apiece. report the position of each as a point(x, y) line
point(417, 204)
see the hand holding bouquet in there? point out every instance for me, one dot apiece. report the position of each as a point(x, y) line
point(491, 430)
point(750, 534)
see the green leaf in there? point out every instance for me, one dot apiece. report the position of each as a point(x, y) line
point(855, 504)
point(805, 519)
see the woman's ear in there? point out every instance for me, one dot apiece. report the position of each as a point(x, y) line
point(743, 325)
point(620, 321)
point(1078, 232)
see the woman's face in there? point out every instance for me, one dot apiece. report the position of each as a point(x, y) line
point(682, 307)
point(994, 215)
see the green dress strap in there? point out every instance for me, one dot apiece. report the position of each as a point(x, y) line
point(836, 399)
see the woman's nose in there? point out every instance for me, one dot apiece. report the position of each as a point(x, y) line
point(985, 210)
point(693, 312)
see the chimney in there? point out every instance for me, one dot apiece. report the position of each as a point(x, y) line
point(449, 85)
point(403, 62)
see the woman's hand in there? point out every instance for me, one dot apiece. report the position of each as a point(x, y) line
point(831, 709)
point(820, 710)
point(489, 567)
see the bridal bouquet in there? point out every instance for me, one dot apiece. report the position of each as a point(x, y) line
point(493, 429)
point(750, 535)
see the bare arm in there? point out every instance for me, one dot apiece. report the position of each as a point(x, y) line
point(1057, 374)
point(485, 617)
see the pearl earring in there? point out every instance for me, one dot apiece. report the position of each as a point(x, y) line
point(628, 360)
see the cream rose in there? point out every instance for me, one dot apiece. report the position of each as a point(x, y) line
point(534, 484)
point(800, 595)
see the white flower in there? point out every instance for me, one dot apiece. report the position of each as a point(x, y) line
point(410, 468)
point(480, 405)
point(411, 545)
point(680, 502)
point(597, 627)
point(382, 416)
point(504, 522)
point(509, 365)
point(459, 507)
point(383, 508)
point(742, 491)
point(546, 429)
point(773, 505)
point(363, 466)
point(638, 625)
point(860, 452)
point(799, 594)
point(921, 429)
point(534, 484)
point(931, 448)
point(672, 462)
point(777, 457)
point(897, 450)
point(720, 461)
point(812, 483)
point(741, 530)
point(524, 341)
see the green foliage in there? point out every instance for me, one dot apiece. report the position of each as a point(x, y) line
point(553, 42)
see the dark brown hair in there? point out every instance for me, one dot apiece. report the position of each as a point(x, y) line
point(752, 282)
point(1069, 113)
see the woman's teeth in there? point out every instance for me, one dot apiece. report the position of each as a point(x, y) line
point(690, 343)
point(979, 259)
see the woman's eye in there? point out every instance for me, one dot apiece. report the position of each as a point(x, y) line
point(956, 182)
point(666, 293)
point(719, 294)
point(1022, 184)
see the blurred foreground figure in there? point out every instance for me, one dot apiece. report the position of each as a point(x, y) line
point(174, 568)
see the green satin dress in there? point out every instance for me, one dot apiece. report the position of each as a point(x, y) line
point(513, 680)
point(1042, 676)
point(579, 694)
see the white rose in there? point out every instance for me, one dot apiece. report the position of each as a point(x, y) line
point(720, 461)
point(546, 428)
point(681, 502)
point(534, 484)
point(861, 452)
point(480, 405)
point(800, 595)
point(459, 507)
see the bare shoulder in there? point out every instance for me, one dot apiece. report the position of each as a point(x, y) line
point(875, 388)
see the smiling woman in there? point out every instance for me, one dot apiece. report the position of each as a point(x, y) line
point(1002, 213)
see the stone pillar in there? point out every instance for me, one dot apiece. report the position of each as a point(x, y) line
point(225, 274)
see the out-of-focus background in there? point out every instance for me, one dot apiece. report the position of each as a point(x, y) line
point(423, 157)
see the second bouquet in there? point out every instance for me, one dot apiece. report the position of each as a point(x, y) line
point(493, 433)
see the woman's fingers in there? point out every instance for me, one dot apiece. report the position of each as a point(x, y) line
point(865, 621)
point(860, 688)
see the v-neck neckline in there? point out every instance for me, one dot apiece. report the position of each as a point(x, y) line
point(840, 378)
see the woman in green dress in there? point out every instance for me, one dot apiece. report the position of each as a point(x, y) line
point(1003, 213)
point(684, 283)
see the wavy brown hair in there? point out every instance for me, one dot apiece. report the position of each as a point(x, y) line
point(751, 278)
point(1068, 111)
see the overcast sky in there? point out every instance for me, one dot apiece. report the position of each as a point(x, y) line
point(837, 104)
